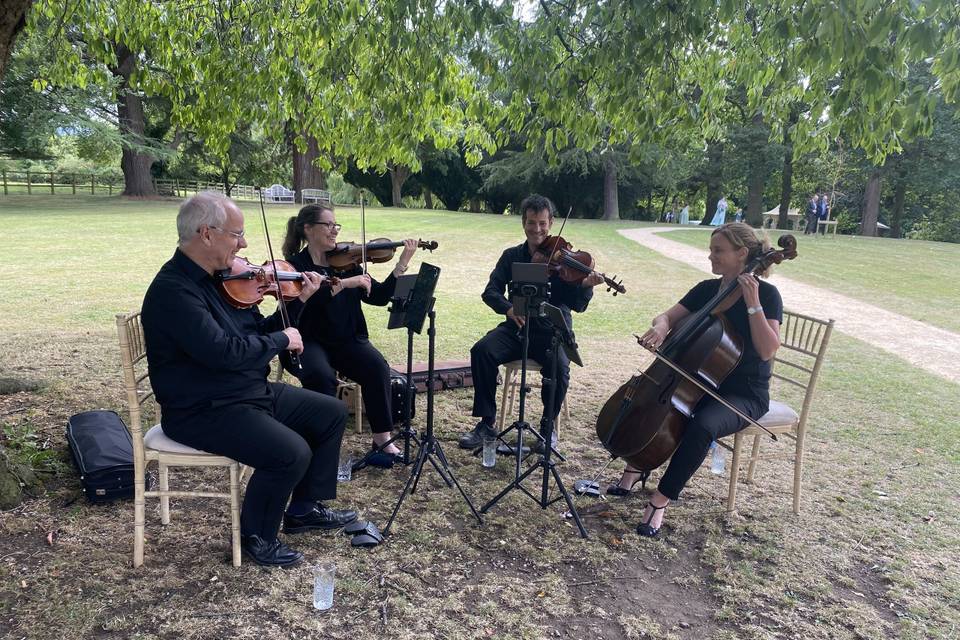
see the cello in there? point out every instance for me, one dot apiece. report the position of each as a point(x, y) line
point(644, 420)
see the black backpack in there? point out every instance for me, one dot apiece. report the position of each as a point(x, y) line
point(102, 449)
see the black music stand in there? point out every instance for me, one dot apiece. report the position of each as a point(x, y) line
point(419, 307)
point(529, 288)
point(562, 339)
point(402, 295)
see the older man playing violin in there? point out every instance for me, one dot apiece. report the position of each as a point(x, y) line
point(209, 363)
point(502, 344)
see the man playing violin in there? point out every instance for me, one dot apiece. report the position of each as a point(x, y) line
point(333, 326)
point(208, 365)
point(503, 343)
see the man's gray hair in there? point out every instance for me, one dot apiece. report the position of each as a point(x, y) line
point(206, 208)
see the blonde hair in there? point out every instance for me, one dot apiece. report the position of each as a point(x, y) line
point(740, 235)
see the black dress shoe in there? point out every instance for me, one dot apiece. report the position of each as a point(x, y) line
point(320, 517)
point(269, 554)
point(473, 439)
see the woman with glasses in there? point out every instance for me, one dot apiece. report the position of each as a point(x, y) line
point(334, 331)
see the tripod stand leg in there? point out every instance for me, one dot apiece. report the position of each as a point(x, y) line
point(414, 477)
point(446, 466)
point(514, 484)
point(566, 496)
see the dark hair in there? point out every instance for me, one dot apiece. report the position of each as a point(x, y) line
point(536, 203)
point(295, 237)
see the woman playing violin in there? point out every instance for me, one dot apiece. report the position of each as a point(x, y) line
point(756, 317)
point(332, 324)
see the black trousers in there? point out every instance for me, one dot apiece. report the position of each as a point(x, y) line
point(711, 420)
point(356, 359)
point(291, 441)
point(500, 345)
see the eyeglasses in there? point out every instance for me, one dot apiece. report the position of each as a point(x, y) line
point(236, 234)
point(333, 225)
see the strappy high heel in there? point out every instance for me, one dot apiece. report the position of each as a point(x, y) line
point(644, 528)
point(617, 490)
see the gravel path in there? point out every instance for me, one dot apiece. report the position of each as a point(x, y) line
point(930, 348)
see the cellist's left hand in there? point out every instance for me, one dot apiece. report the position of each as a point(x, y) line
point(592, 280)
point(751, 289)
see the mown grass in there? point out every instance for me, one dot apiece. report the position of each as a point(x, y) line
point(915, 278)
point(873, 553)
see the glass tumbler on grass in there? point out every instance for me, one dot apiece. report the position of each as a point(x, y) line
point(323, 575)
point(489, 452)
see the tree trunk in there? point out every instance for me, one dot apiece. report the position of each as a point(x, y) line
point(755, 185)
point(225, 179)
point(398, 175)
point(899, 199)
point(306, 173)
point(611, 196)
point(871, 205)
point(786, 187)
point(427, 198)
point(713, 178)
point(134, 161)
point(475, 204)
point(13, 19)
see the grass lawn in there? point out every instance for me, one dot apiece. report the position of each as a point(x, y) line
point(911, 277)
point(872, 554)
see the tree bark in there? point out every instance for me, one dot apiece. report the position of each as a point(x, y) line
point(611, 196)
point(871, 205)
point(13, 19)
point(899, 198)
point(713, 178)
point(306, 173)
point(134, 162)
point(398, 175)
point(427, 198)
point(786, 186)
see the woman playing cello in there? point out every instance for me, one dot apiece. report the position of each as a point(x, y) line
point(333, 327)
point(756, 317)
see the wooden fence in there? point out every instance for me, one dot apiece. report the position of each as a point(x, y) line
point(50, 182)
point(54, 183)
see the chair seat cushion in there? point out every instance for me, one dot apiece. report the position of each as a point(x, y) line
point(779, 415)
point(157, 440)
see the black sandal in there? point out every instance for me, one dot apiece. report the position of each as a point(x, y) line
point(644, 528)
point(617, 490)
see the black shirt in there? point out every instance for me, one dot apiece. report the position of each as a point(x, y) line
point(752, 375)
point(201, 351)
point(564, 295)
point(330, 319)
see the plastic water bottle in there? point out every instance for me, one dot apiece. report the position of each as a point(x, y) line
point(717, 460)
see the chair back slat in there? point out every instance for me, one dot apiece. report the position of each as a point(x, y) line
point(803, 342)
point(136, 378)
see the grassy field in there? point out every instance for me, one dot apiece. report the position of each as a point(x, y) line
point(911, 277)
point(873, 553)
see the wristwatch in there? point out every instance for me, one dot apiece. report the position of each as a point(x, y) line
point(753, 310)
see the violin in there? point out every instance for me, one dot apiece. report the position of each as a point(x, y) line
point(347, 255)
point(246, 284)
point(644, 420)
point(569, 265)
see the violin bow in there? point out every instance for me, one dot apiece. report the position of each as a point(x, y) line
point(556, 242)
point(281, 305)
point(363, 233)
point(704, 388)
